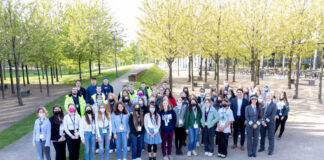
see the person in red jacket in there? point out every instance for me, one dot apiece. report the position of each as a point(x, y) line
point(172, 100)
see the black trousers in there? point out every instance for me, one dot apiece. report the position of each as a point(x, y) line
point(239, 126)
point(223, 143)
point(209, 134)
point(150, 146)
point(60, 150)
point(73, 147)
point(180, 133)
point(282, 123)
point(217, 138)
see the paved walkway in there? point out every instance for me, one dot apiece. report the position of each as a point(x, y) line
point(23, 149)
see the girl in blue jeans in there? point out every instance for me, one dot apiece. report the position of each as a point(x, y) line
point(104, 130)
point(120, 129)
point(136, 125)
point(88, 132)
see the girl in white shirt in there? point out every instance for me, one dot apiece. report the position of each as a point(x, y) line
point(71, 128)
point(104, 130)
point(88, 132)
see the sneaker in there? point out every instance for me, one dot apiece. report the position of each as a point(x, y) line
point(223, 156)
point(165, 158)
point(219, 155)
point(97, 150)
point(198, 144)
point(206, 153)
point(125, 159)
point(110, 151)
point(170, 157)
point(210, 154)
point(189, 153)
point(180, 152)
point(194, 153)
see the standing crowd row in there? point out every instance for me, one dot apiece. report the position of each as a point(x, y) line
point(105, 123)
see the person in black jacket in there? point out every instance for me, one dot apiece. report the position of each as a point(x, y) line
point(106, 88)
point(136, 125)
point(57, 132)
point(81, 90)
point(238, 105)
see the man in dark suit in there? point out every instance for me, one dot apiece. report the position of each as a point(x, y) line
point(268, 124)
point(238, 105)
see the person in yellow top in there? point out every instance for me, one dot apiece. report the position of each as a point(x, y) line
point(94, 96)
point(77, 100)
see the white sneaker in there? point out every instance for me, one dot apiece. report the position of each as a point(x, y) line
point(194, 153)
point(206, 153)
point(189, 153)
point(170, 157)
point(125, 159)
point(210, 154)
point(165, 158)
point(223, 156)
point(110, 151)
point(219, 155)
point(97, 150)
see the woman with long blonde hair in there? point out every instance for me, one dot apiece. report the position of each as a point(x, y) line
point(104, 130)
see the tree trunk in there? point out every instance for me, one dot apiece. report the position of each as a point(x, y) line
point(4, 70)
point(257, 71)
point(189, 69)
point(297, 76)
point(234, 66)
point(206, 69)
point(169, 62)
point(47, 85)
point(61, 71)
point(227, 67)
point(192, 74)
point(2, 86)
point(39, 79)
point(320, 57)
point(52, 77)
point(217, 72)
point(99, 63)
point(57, 79)
point(90, 70)
point(16, 61)
point(23, 74)
point(11, 78)
point(178, 67)
point(289, 69)
point(252, 65)
point(80, 73)
point(27, 74)
point(200, 68)
point(43, 72)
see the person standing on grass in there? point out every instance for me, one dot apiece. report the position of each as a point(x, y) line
point(168, 123)
point(152, 124)
point(106, 88)
point(208, 121)
point(87, 130)
point(253, 117)
point(57, 132)
point(77, 100)
point(120, 119)
point(192, 125)
point(180, 130)
point(224, 127)
point(81, 90)
point(42, 134)
point(268, 124)
point(104, 130)
point(91, 90)
point(98, 93)
point(71, 128)
point(282, 113)
point(136, 125)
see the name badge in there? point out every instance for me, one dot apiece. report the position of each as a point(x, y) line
point(250, 122)
point(258, 123)
point(93, 132)
point(195, 125)
point(104, 130)
point(169, 116)
point(268, 120)
point(76, 133)
point(41, 136)
point(139, 128)
point(121, 127)
point(280, 114)
point(156, 130)
point(222, 123)
point(180, 121)
point(205, 123)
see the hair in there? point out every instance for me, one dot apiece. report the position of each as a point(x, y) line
point(155, 113)
point(71, 104)
point(56, 117)
point(143, 82)
point(107, 111)
point(98, 86)
point(78, 81)
point(170, 95)
point(285, 96)
point(165, 82)
point(135, 114)
point(169, 105)
point(93, 78)
point(123, 98)
point(115, 101)
point(44, 110)
point(226, 100)
point(202, 89)
point(239, 89)
point(117, 112)
point(187, 93)
point(197, 106)
point(258, 107)
point(210, 101)
point(87, 116)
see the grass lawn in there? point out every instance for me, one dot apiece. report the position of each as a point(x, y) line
point(24, 126)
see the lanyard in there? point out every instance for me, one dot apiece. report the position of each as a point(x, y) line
point(138, 120)
point(153, 120)
point(206, 113)
point(195, 113)
point(40, 126)
point(224, 112)
point(180, 111)
point(103, 121)
point(73, 121)
point(121, 116)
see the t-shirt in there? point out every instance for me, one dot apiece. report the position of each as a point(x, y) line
point(225, 115)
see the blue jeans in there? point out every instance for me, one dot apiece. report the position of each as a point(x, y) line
point(137, 143)
point(193, 138)
point(106, 141)
point(112, 143)
point(121, 141)
point(41, 149)
point(90, 140)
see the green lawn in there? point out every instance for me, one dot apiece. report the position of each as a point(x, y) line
point(24, 126)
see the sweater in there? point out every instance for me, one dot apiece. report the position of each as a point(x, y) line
point(90, 91)
point(168, 120)
point(57, 130)
point(190, 118)
point(120, 123)
point(212, 117)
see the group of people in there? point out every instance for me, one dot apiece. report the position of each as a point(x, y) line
point(107, 123)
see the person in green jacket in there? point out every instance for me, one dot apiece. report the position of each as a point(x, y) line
point(208, 121)
point(77, 100)
point(94, 96)
point(192, 125)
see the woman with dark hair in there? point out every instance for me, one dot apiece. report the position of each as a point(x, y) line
point(128, 104)
point(88, 132)
point(120, 119)
point(136, 125)
point(282, 113)
point(253, 118)
point(140, 95)
point(152, 124)
point(141, 103)
point(186, 91)
point(192, 125)
point(172, 100)
point(42, 134)
point(57, 132)
point(111, 104)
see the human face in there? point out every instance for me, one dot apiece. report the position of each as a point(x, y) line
point(165, 105)
point(120, 108)
point(78, 83)
point(207, 103)
point(131, 87)
point(165, 85)
point(105, 81)
point(239, 94)
point(98, 89)
point(167, 92)
point(254, 101)
point(93, 82)
point(74, 91)
point(143, 85)
point(57, 109)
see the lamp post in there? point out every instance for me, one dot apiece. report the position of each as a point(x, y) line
point(114, 38)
